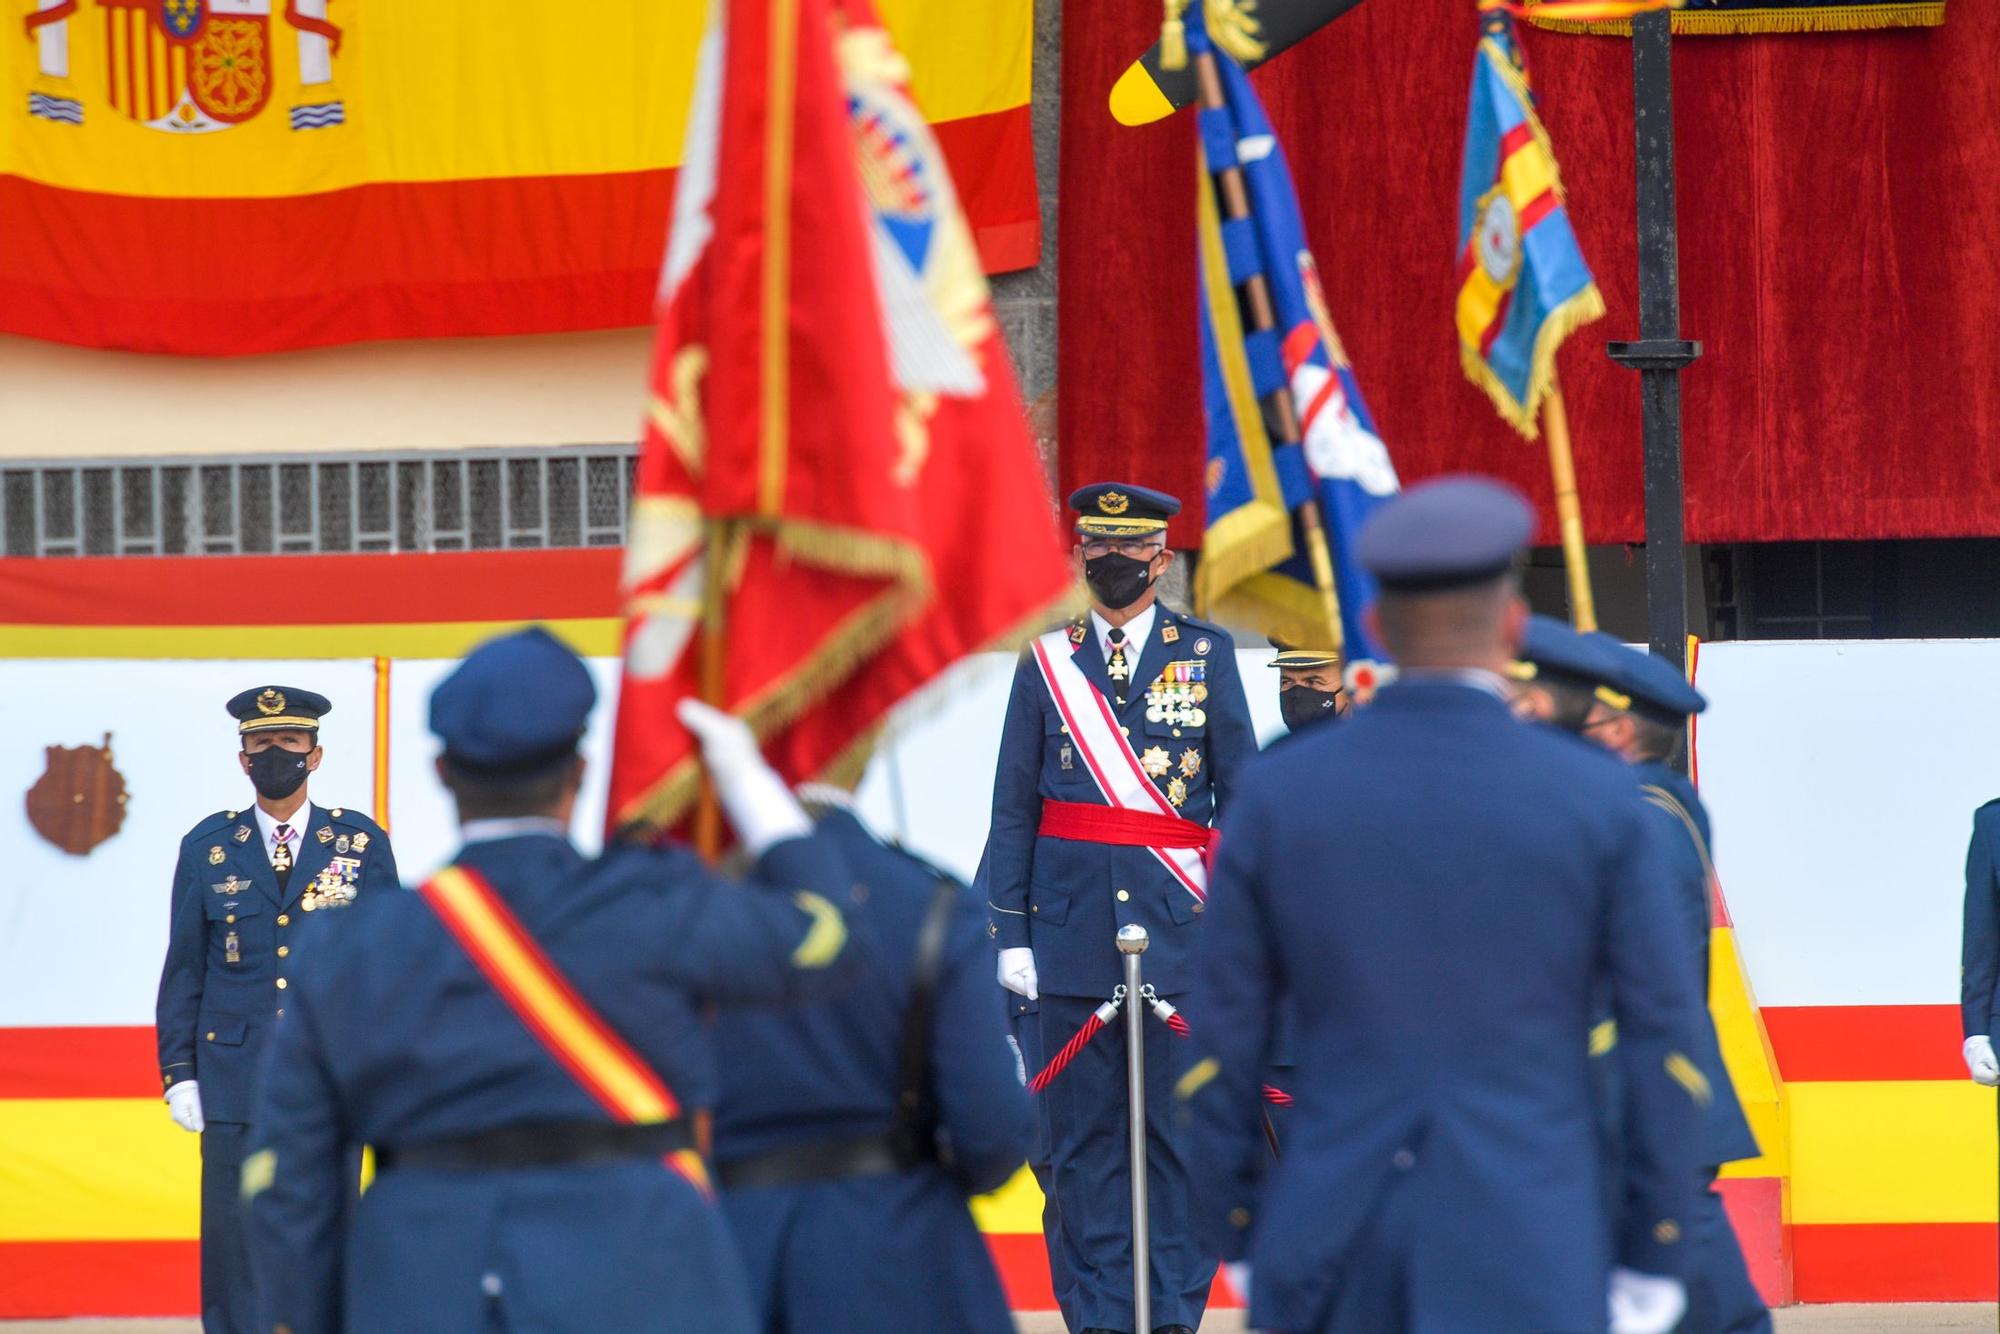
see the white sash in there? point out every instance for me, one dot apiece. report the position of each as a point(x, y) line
point(1109, 756)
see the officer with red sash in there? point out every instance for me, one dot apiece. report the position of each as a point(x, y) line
point(522, 1042)
point(1125, 732)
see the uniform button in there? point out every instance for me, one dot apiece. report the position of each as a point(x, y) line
point(281, 1012)
point(1239, 1218)
point(281, 984)
point(490, 1285)
point(1404, 1160)
point(230, 919)
point(1124, 894)
point(284, 919)
point(283, 950)
point(1177, 731)
point(1034, 907)
point(211, 1037)
point(1666, 1232)
point(1128, 731)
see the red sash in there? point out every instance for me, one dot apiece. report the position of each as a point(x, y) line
point(1087, 822)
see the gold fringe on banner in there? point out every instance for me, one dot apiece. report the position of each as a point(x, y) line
point(1818, 18)
point(1559, 324)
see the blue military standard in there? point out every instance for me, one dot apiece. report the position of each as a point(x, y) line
point(1125, 733)
point(515, 1189)
point(246, 885)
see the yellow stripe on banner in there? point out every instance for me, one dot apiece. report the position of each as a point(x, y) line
point(599, 637)
point(97, 1169)
point(1015, 1207)
point(630, 1088)
point(1527, 175)
point(1747, 1056)
point(1893, 1152)
point(1478, 303)
point(464, 90)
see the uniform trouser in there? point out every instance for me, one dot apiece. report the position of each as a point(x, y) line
point(228, 1300)
point(1090, 1170)
point(1721, 1298)
point(1025, 1023)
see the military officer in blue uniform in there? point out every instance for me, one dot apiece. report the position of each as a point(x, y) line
point(1556, 677)
point(1310, 690)
point(850, 1133)
point(1640, 713)
point(1979, 984)
point(1154, 718)
point(246, 885)
point(508, 1194)
point(1436, 890)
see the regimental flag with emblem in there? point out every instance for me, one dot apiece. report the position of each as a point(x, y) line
point(222, 177)
point(1523, 285)
point(1256, 565)
point(835, 434)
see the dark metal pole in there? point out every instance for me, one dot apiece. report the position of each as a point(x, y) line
point(1660, 353)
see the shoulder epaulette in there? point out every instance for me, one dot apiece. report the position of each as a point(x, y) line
point(213, 823)
point(352, 819)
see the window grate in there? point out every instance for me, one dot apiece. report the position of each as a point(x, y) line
point(464, 500)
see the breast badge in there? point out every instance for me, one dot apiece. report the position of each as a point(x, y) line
point(215, 855)
point(1155, 761)
point(343, 843)
point(1170, 633)
point(79, 801)
point(325, 834)
point(232, 951)
point(1190, 762)
point(1177, 792)
point(361, 842)
point(1201, 647)
point(243, 833)
point(1175, 695)
point(333, 887)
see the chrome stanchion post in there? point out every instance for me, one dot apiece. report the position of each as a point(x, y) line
point(1132, 943)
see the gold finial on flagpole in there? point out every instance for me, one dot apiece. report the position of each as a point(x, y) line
point(1173, 37)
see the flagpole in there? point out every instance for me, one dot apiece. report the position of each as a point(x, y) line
point(1235, 201)
point(713, 663)
point(1569, 511)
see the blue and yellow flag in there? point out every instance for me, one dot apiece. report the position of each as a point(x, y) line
point(1523, 285)
point(1256, 567)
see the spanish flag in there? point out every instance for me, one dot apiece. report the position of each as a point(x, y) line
point(1523, 284)
point(221, 177)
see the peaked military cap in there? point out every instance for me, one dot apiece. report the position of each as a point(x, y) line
point(1552, 650)
point(1118, 509)
point(266, 708)
point(1648, 685)
point(1301, 659)
point(516, 705)
point(1447, 533)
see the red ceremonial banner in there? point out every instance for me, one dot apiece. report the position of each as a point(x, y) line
point(835, 437)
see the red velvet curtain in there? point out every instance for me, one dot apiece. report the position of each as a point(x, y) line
point(1839, 246)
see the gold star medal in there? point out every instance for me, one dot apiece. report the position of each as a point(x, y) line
point(215, 855)
point(1155, 762)
point(1177, 791)
point(1190, 762)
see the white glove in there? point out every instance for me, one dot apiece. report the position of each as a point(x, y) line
point(1979, 1059)
point(1017, 971)
point(184, 1105)
point(1645, 1303)
point(1238, 1274)
point(757, 802)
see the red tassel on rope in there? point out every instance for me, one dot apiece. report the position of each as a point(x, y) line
point(1276, 1096)
point(1092, 1026)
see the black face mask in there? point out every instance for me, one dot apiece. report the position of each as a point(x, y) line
point(1117, 581)
point(276, 773)
point(1302, 708)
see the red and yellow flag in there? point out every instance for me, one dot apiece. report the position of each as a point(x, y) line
point(241, 176)
point(835, 434)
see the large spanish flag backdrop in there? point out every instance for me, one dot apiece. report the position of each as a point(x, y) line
point(221, 177)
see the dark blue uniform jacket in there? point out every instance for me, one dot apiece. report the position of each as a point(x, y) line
point(1436, 887)
point(1979, 989)
point(394, 1037)
point(881, 1252)
point(1066, 899)
point(235, 934)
